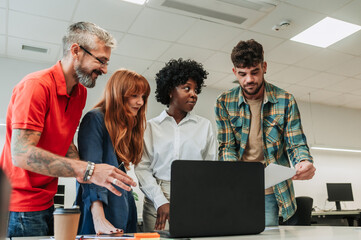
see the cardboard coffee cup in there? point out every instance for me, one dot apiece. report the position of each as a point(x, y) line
point(66, 221)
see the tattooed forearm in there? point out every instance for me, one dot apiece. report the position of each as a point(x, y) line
point(26, 155)
point(49, 164)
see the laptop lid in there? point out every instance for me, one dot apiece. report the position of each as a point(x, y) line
point(216, 198)
point(5, 191)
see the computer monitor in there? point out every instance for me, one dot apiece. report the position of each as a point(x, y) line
point(339, 192)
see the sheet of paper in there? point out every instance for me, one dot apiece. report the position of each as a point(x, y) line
point(275, 173)
point(110, 236)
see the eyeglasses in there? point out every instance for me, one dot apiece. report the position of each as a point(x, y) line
point(101, 62)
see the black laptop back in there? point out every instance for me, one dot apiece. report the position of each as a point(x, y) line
point(216, 198)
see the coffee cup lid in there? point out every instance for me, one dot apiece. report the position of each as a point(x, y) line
point(73, 210)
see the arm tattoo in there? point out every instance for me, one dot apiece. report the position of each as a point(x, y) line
point(38, 160)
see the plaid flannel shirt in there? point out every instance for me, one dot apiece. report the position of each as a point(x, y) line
point(283, 137)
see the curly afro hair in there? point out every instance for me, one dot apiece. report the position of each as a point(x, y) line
point(175, 73)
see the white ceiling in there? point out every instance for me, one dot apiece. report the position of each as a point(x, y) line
point(150, 35)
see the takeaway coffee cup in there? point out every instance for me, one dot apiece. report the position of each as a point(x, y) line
point(66, 221)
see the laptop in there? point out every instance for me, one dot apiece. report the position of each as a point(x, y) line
point(5, 191)
point(216, 198)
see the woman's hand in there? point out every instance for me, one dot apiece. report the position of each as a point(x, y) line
point(101, 224)
point(162, 217)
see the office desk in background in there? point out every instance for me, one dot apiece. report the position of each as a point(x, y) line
point(352, 216)
point(287, 233)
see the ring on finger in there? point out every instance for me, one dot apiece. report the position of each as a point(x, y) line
point(115, 181)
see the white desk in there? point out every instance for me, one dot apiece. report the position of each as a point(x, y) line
point(287, 233)
point(352, 216)
point(301, 233)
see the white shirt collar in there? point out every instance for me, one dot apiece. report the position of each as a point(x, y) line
point(164, 115)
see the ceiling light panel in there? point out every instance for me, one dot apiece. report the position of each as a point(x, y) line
point(139, 2)
point(326, 32)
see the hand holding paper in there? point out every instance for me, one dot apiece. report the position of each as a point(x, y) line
point(305, 170)
point(274, 174)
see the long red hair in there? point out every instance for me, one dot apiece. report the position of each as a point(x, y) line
point(125, 130)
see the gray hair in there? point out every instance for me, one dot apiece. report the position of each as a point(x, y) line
point(84, 34)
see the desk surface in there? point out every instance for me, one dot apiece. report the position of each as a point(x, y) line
point(302, 233)
point(334, 212)
point(287, 233)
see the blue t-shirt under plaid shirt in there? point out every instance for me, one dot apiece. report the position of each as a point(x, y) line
point(283, 137)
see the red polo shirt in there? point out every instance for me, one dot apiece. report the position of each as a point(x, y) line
point(40, 102)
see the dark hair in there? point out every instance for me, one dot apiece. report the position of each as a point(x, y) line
point(175, 73)
point(247, 54)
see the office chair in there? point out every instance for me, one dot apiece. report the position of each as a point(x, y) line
point(304, 210)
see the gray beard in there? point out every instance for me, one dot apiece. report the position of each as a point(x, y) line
point(84, 78)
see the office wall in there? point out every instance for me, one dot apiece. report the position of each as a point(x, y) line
point(323, 125)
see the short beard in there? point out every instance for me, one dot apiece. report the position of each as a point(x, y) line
point(84, 78)
point(256, 91)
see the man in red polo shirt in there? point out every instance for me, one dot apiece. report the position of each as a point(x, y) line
point(42, 117)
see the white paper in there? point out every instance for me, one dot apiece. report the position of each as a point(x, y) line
point(274, 174)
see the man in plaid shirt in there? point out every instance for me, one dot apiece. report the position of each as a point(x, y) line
point(259, 122)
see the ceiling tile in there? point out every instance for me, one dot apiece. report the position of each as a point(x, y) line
point(350, 12)
point(209, 35)
point(349, 68)
point(322, 6)
point(160, 25)
point(36, 28)
point(109, 14)
point(279, 84)
point(321, 80)
point(141, 47)
point(300, 20)
point(356, 92)
point(350, 45)
point(2, 45)
point(117, 35)
point(225, 84)
point(15, 50)
point(46, 8)
point(186, 52)
point(135, 64)
point(299, 91)
point(356, 104)
point(320, 96)
point(3, 3)
point(215, 78)
point(219, 62)
point(324, 59)
point(152, 70)
point(293, 75)
point(290, 52)
point(3, 21)
point(273, 68)
point(346, 86)
point(344, 100)
point(267, 42)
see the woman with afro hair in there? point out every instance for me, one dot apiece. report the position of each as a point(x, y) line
point(175, 134)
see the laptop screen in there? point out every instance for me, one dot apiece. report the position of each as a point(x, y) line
point(216, 198)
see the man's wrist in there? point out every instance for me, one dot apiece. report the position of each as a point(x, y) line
point(89, 171)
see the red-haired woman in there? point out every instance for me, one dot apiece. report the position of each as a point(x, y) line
point(112, 133)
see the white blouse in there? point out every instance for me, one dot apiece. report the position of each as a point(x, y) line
point(165, 141)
